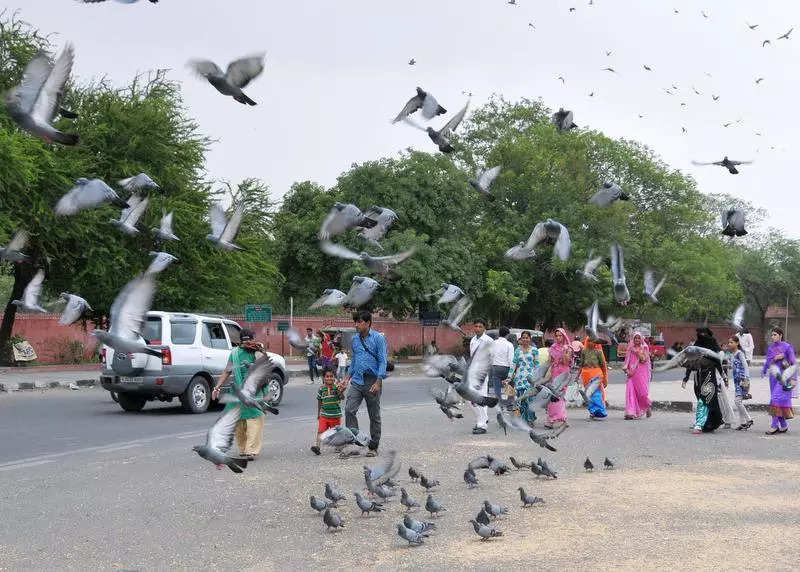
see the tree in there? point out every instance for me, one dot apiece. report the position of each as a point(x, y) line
point(503, 295)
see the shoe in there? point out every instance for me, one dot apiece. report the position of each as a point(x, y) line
point(310, 382)
point(726, 425)
point(746, 396)
point(649, 413)
point(742, 427)
point(248, 458)
point(372, 453)
point(478, 431)
point(772, 431)
point(629, 418)
point(74, 386)
point(697, 431)
point(783, 430)
point(315, 450)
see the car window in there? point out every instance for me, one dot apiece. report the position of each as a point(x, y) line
point(214, 336)
point(183, 332)
point(152, 330)
point(234, 333)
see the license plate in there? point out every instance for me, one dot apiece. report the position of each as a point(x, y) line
point(131, 379)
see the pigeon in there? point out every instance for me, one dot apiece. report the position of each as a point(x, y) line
point(715, 97)
point(34, 103)
point(470, 478)
point(416, 525)
point(765, 42)
point(610, 69)
point(384, 470)
point(651, 289)
point(727, 163)
point(608, 464)
point(458, 312)
point(427, 483)
point(383, 492)
point(648, 68)
point(239, 73)
point(442, 137)
point(87, 194)
point(561, 78)
point(258, 374)
point(295, 340)
point(759, 80)
point(529, 500)
point(704, 13)
point(12, 252)
point(341, 218)
point(30, 296)
point(424, 101)
point(384, 218)
point(593, 386)
point(127, 318)
point(434, 507)
point(536, 470)
point(551, 231)
point(519, 465)
point(447, 293)
point(443, 365)
point(378, 264)
point(751, 26)
point(738, 317)
point(520, 252)
point(786, 35)
point(413, 473)
point(361, 290)
point(130, 215)
point(621, 293)
point(138, 182)
point(219, 440)
point(478, 369)
point(733, 222)
point(367, 506)
point(413, 537)
point(482, 517)
point(412, 62)
point(498, 467)
point(587, 465)
point(224, 230)
point(609, 193)
point(74, 309)
point(593, 322)
point(484, 179)
point(494, 510)
point(333, 495)
point(318, 504)
point(693, 358)
point(330, 297)
point(164, 232)
point(485, 531)
point(406, 500)
point(340, 436)
point(481, 462)
point(562, 119)
point(332, 520)
point(589, 268)
point(545, 468)
point(517, 423)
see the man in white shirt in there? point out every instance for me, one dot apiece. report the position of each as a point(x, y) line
point(746, 341)
point(481, 411)
point(502, 356)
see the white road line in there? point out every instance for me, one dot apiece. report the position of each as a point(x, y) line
point(120, 448)
point(23, 465)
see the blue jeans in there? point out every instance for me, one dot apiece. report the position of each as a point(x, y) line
point(496, 376)
point(312, 367)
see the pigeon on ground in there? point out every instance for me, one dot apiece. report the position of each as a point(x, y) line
point(130, 215)
point(607, 194)
point(529, 500)
point(484, 179)
point(164, 232)
point(562, 119)
point(482, 462)
point(482, 517)
point(621, 293)
point(330, 297)
point(127, 318)
point(470, 478)
point(553, 232)
point(518, 465)
point(727, 163)
point(458, 313)
point(424, 101)
point(367, 506)
point(417, 525)
point(693, 358)
point(333, 495)
point(380, 265)
point(447, 293)
point(341, 218)
point(383, 492)
point(340, 436)
point(239, 73)
point(608, 464)
point(361, 290)
point(384, 469)
point(651, 289)
point(427, 483)
point(34, 103)
point(30, 296)
point(733, 222)
point(737, 318)
point(412, 536)
point(590, 267)
point(587, 464)
point(318, 504)
point(384, 218)
point(250, 393)
point(485, 531)
point(74, 309)
point(406, 500)
point(219, 440)
point(545, 468)
point(332, 520)
point(442, 137)
point(12, 252)
point(498, 467)
point(413, 473)
point(520, 252)
point(433, 507)
point(138, 182)
point(224, 230)
point(494, 510)
point(87, 194)
point(536, 470)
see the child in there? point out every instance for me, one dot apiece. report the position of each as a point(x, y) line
point(341, 360)
point(329, 410)
point(741, 380)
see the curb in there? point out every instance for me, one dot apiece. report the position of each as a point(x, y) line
point(8, 387)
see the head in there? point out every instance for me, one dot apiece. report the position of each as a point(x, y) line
point(525, 339)
point(503, 331)
point(777, 334)
point(309, 332)
point(560, 337)
point(637, 339)
point(362, 321)
point(247, 338)
point(479, 327)
point(328, 376)
point(733, 344)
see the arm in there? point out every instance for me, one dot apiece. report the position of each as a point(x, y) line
point(223, 378)
point(380, 351)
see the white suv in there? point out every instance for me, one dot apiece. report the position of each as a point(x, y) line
point(194, 348)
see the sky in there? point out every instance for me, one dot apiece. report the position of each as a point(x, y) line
point(337, 72)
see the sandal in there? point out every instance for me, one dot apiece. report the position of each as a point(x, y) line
point(772, 431)
point(783, 430)
point(697, 431)
point(315, 450)
point(649, 413)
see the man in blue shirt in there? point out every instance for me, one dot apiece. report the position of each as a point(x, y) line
point(367, 371)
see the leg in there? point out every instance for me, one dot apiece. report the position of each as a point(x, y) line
point(351, 405)
point(481, 412)
point(701, 414)
point(310, 360)
point(783, 423)
point(374, 411)
point(744, 416)
point(775, 422)
point(255, 435)
point(241, 436)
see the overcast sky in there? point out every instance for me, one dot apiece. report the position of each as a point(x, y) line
point(337, 72)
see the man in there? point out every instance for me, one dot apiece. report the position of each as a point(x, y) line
point(481, 411)
point(311, 355)
point(367, 371)
point(250, 429)
point(747, 344)
point(502, 356)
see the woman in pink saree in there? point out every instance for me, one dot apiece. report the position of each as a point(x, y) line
point(560, 362)
point(637, 388)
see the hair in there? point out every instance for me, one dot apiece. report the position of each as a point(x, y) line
point(745, 330)
point(503, 331)
point(735, 339)
point(309, 330)
point(526, 333)
point(481, 321)
point(362, 316)
point(548, 342)
point(329, 370)
point(778, 330)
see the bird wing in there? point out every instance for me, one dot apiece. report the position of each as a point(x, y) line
point(737, 220)
point(232, 228)
point(34, 288)
point(451, 125)
point(488, 176)
point(33, 79)
point(592, 264)
point(295, 340)
point(538, 234)
point(649, 282)
point(242, 71)
point(205, 68)
point(724, 217)
point(47, 100)
point(439, 365)
point(459, 310)
point(384, 470)
point(617, 262)
point(330, 297)
point(395, 258)
point(657, 289)
point(220, 436)
point(166, 223)
point(450, 294)
point(338, 250)
point(410, 107)
point(134, 212)
point(133, 201)
point(73, 310)
point(691, 357)
point(257, 375)
point(563, 243)
point(741, 162)
point(130, 306)
point(738, 316)
point(602, 198)
point(18, 241)
point(478, 366)
point(593, 317)
point(218, 220)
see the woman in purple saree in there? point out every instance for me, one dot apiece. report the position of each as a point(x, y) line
point(780, 354)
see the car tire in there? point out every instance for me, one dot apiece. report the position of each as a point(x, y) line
point(132, 403)
point(274, 389)
point(197, 396)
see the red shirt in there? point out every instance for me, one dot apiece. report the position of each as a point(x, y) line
point(327, 347)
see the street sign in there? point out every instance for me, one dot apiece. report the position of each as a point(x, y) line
point(257, 313)
point(283, 326)
point(430, 319)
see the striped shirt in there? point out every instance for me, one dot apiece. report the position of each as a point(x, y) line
point(329, 402)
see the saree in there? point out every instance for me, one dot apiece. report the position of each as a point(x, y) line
point(637, 387)
point(780, 400)
point(560, 362)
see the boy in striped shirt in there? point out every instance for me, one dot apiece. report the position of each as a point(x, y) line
point(329, 410)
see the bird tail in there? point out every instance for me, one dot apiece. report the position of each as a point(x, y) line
point(66, 113)
point(242, 98)
point(120, 203)
point(236, 465)
point(624, 196)
point(440, 110)
point(267, 407)
point(65, 138)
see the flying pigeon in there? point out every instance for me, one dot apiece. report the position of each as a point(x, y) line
point(514, 422)
point(484, 180)
point(424, 101)
point(412, 62)
point(138, 182)
point(609, 193)
point(444, 366)
point(485, 531)
point(341, 218)
point(589, 268)
point(759, 80)
point(433, 507)
point(30, 296)
point(250, 393)
point(786, 35)
point(330, 297)
point(223, 230)
point(478, 369)
point(610, 69)
point(332, 520)
point(378, 264)
point(87, 194)
point(12, 252)
point(608, 464)
point(384, 470)
point(618, 275)
point(727, 163)
point(648, 68)
point(651, 289)
point(738, 317)
point(384, 218)
point(127, 318)
point(447, 293)
point(164, 232)
point(130, 216)
point(412, 536)
point(520, 252)
point(219, 440)
point(361, 290)
point(551, 231)
point(765, 42)
point(239, 73)
point(416, 525)
point(119, 1)
point(34, 103)
point(406, 500)
point(587, 465)
point(319, 504)
point(74, 309)
point(340, 436)
point(751, 26)
point(458, 312)
point(529, 500)
point(442, 137)
point(693, 358)
point(367, 506)
point(562, 119)
point(733, 222)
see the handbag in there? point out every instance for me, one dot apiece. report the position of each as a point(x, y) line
point(389, 364)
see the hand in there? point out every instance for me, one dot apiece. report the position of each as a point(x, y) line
point(215, 393)
point(376, 387)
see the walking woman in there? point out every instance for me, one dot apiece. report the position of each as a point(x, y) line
point(708, 415)
point(781, 355)
point(594, 366)
point(523, 369)
point(560, 362)
point(637, 388)
point(741, 381)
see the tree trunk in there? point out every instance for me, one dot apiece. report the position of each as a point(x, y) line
point(22, 275)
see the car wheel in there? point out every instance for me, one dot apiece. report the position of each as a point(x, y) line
point(275, 389)
point(130, 402)
point(114, 396)
point(197, 396)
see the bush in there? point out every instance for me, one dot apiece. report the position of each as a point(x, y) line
point(70, 351)
point(409, 350)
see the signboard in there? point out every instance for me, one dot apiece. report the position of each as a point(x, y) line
point(257, 313)
point(430, 319)
point(283, 326)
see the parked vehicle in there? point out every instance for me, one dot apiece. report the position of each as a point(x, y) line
point(195, 349)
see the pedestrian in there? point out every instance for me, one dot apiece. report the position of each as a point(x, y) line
point(780, 354)
point(329, 409)
point(708, 414)
point(741, 380)
point(637, 386)
point(560, 362)
point(481, 411)
point(311, 355)
point(341, 364)
point(593, 366)
point(747, 344)
point(367, 371)
point(523, 369)
point(725, 404)
point(544, 353)
point(325, 349)
point(250, 428)
point(502, 356)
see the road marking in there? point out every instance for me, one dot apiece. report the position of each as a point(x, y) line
point(120, 448)
point(11, 467)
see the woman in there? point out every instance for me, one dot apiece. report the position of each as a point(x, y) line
point(523, 370)
point(780, 354)
point(593, 366)
point(637, 388)
point(560, 362)
point(708, 414)
point(741, 380)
